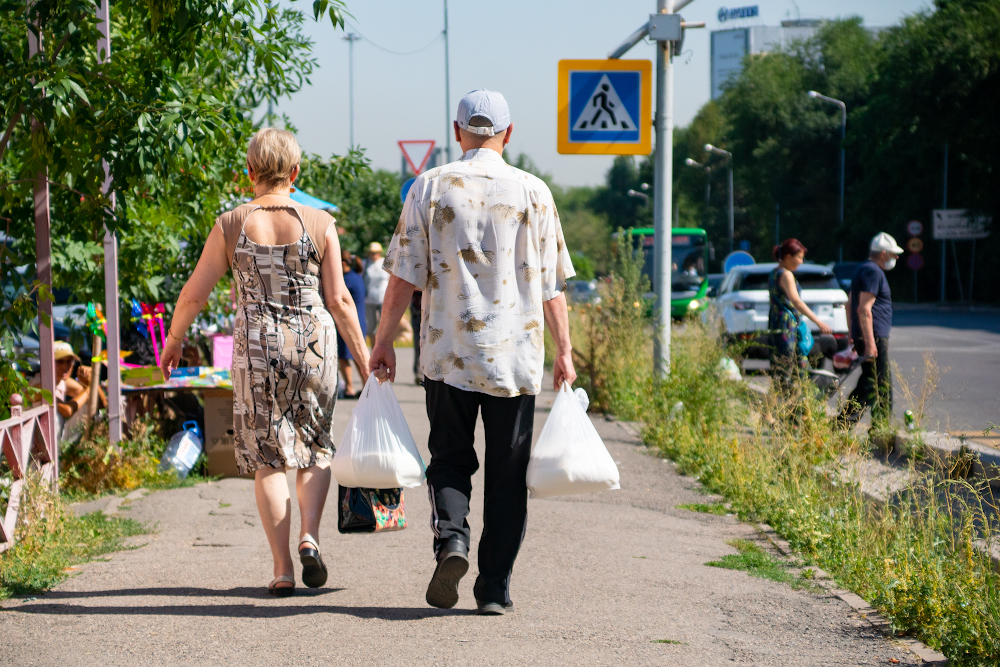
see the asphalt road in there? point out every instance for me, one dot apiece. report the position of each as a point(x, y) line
point(965, 345)
point(602, 579)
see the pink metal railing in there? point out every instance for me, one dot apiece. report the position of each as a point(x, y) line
point(28, 441)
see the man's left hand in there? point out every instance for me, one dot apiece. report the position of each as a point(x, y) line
point(562, 370)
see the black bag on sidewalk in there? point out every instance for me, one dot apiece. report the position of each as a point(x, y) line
point(369, 510)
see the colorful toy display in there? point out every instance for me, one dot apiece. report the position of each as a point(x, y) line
point(95, 320)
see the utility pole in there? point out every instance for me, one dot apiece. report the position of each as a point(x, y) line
point(663, 121)
point(351, 38)
point(944, 243)
point(447, 92)
point(111, 307)
point(668, 32)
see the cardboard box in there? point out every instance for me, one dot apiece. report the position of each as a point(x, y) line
point(219, 434)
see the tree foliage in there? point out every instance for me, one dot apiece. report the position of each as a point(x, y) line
point(169, 112)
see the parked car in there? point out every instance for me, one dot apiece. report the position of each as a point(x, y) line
point(845, 273)
point(744, 304)
point(582, 291)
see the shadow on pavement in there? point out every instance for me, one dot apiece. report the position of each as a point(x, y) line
point(246, 611)
point(240, 592)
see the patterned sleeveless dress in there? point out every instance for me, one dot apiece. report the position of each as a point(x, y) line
point(782, 321)
point(284, 356)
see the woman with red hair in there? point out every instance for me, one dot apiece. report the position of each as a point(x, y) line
point(787, 309)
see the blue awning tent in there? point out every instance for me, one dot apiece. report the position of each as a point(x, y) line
point(308, 200)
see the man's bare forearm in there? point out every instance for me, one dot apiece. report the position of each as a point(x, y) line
point(557, 320)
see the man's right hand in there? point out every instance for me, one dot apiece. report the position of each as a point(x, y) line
point(383, 362)
point(871, 350)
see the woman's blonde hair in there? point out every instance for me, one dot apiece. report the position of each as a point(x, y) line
point(273, 154)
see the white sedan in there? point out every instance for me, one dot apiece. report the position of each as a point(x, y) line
point(744, 303)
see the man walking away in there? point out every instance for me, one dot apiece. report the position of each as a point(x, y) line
point(869, 315)
point(376, 281)
point(483, 241)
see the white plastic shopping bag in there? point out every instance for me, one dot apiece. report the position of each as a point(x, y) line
point(378, 451)
point(569, 457)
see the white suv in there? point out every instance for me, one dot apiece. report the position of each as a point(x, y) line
point(744, 303)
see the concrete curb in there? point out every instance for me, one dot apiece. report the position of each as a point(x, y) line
point(856, 602)
point(948, 450)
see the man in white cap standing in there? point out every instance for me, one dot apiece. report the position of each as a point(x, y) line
point(376, 281)
point(483, 241)
point(869, 315)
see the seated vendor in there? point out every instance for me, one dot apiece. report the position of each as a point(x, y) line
point(72, 396)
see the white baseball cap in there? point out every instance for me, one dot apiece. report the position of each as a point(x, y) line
point(488, 104)
point(883, 241)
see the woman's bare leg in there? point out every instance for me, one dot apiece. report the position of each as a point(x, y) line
point(345, 370)
point(275, 507)
point(312, 486)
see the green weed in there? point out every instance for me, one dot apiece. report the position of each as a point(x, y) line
point(756, 562)
point(668, 641)
point(712, 508)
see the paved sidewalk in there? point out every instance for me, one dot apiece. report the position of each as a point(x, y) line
point(600, 578)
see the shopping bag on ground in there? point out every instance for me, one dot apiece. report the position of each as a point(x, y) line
point(377, 450)
point(370, 510)
point(569, 457)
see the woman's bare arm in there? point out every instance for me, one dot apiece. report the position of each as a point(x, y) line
point(211, 267)
point(340, 303)
point(787, 284)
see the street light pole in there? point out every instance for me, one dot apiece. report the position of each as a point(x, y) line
point(708, 186)
point(447, 91)
point(729, 164)
point(351, 38)
point(843, 135)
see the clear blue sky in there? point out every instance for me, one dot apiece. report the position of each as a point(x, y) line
point(512, 47)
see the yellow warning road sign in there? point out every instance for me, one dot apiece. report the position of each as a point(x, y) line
point(605, 107)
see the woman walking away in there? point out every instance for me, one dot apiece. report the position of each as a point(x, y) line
point(285, 259)
point(353, 278)
point(787, 309)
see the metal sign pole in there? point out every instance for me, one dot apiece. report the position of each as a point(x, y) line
point(111, 309)
point(663, 196)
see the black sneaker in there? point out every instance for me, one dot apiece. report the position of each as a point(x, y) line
point(493, 608)
point(442, 592)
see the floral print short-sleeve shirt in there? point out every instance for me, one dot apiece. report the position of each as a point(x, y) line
point(483, 241)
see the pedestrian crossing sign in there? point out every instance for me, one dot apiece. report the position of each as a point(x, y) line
point(605, 107)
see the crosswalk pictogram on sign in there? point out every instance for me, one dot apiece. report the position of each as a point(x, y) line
point(605, 111)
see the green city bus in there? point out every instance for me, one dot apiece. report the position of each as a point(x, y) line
point(689, 253)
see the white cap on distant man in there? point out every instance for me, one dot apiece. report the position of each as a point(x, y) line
point(487, 104)
point(883, 241)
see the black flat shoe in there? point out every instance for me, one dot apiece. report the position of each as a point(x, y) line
point(313, 569)
point(452, 565)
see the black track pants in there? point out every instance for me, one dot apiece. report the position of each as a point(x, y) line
point(508, 424)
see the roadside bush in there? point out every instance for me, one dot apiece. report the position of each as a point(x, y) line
point(612, 339)
point(93, 466)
